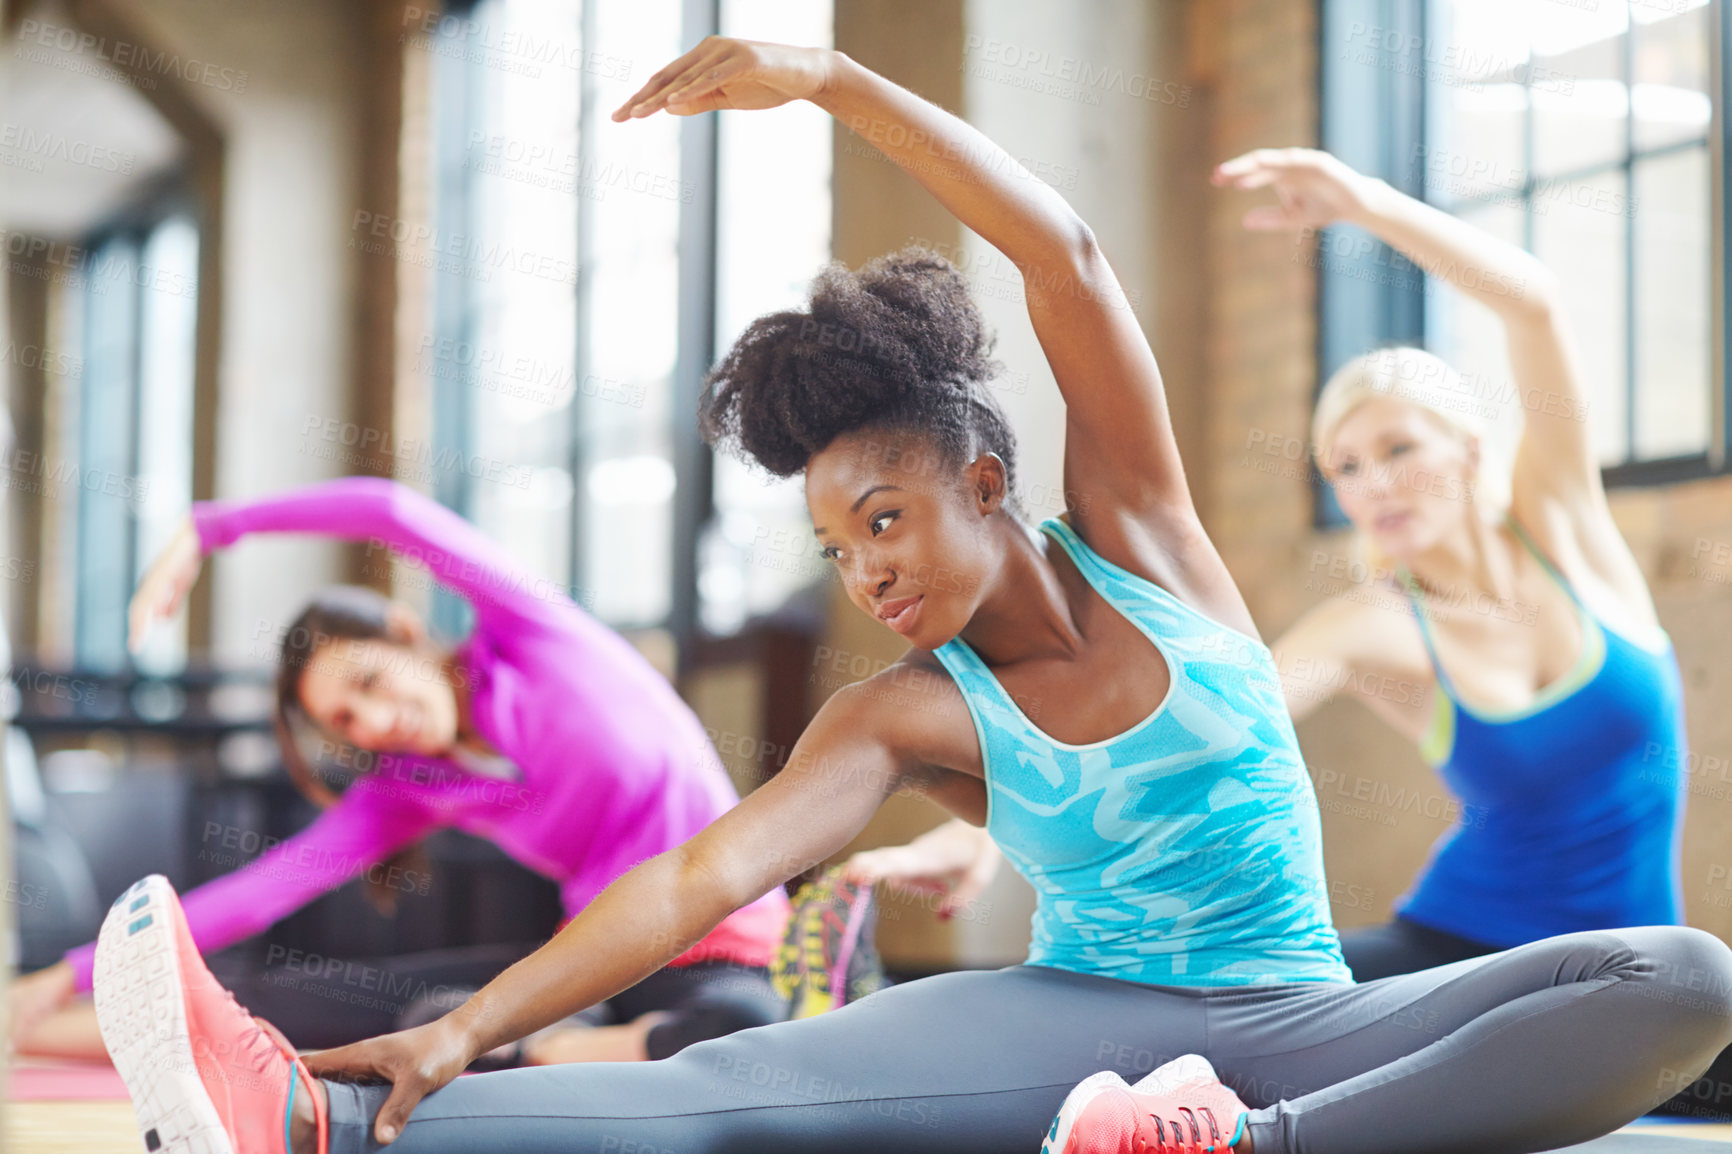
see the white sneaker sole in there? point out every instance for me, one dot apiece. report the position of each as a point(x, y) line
point(1084, 1092)
point(142, 1012)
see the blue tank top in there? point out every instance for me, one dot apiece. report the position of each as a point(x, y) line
point(1186, 850)
point(1573, 806)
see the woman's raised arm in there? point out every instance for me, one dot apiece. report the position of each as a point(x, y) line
point(383, 513)
point(1120, 454)
point(1555, 460)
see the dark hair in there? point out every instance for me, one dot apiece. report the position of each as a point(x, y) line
point(339, 612)
point(897, 345)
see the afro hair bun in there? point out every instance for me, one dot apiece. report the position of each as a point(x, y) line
point(898, 343)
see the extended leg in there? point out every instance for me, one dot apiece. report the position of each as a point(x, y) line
point(959, 1063)
point(1544, 1045)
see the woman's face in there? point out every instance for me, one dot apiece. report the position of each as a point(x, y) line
point(1403, 478)
point(907, 531)
point(381, 695)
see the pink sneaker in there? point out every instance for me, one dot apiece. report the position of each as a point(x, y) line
point(1181, 1108)
point(205, 1076)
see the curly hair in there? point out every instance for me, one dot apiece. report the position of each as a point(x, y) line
point(897, 346)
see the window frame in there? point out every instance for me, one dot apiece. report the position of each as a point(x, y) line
point(1347, 326)
point(162, 200)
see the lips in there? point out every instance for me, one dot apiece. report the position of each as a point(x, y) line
point(900, 613)
point(1387, 521)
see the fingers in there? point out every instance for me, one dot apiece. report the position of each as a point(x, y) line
point(982, 871)
point(141, 615)
point(658, 82)
point(702, 92)
point(353, 1062)
point(1261, 167)
point(682, 73)
point(1269, 218)
point(406, 1092)
point(876, 865)
point(980, 874)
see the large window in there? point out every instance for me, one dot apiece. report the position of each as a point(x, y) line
point(122, 477)
point(1579, 131)
point(559, 383)
point(773, 235)
point(501, 352)
point(1582, 134)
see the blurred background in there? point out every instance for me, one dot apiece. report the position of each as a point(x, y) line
point(252, 244)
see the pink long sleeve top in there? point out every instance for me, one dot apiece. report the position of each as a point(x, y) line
point(611, 766)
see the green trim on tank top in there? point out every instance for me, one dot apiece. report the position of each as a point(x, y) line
point(1438, 741)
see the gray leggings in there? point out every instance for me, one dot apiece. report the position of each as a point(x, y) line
point(1544, 1045)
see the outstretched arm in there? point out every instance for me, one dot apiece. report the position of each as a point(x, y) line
point(385, 514)
point(1120, 451)
point(840, 771)
point(1555, 461)
point(363, 829)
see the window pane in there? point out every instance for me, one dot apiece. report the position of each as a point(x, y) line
point(1581, 237)
point(1581, 104)
point(1477, 144)
point(1477, 111)
point(773, 182)
point(634, 195)
point(1673, 338)
point(105, 475)
point(168, 314)
point(1671, 72)
point(524, 307)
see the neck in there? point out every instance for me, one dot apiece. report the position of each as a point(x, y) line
point(1026, 613)
point(1468, 557)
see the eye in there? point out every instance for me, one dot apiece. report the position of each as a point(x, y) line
point(883, 519)
point(1348, 468)
point(371, 679)
point(1399, 448)
point(830, 553)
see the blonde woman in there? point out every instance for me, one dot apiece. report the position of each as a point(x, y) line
point(1545, 691)
point(1528, 661)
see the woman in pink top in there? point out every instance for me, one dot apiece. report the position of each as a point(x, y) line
point(544, 732)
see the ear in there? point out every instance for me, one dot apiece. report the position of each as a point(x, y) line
point(988, 480)
point(403, 625)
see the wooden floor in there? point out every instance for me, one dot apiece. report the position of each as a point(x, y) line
point(107, 1128)
point(70, 1128)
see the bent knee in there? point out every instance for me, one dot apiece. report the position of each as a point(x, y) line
point(1688, 970)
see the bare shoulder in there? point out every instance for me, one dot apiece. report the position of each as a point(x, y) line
point(912, 715)
point(1366, 645)
point(1169, 547)
point(1369, 629)
point(916, 698)
point(1347, 625)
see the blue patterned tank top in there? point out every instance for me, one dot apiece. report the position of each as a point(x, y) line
point(1185, 851)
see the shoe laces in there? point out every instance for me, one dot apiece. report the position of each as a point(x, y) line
point(1179, 1132)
